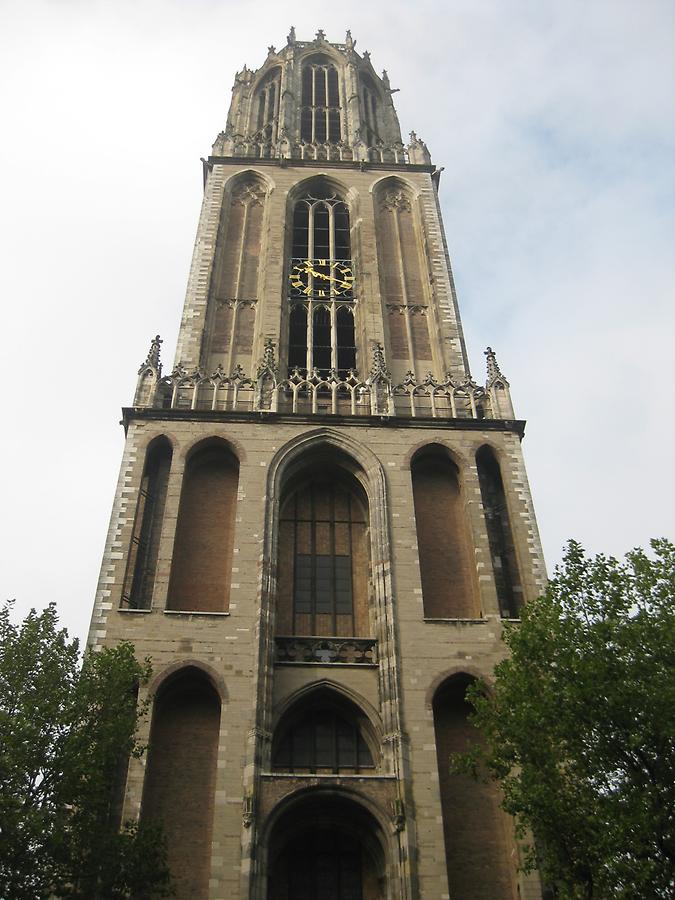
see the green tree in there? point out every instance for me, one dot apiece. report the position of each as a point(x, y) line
point(579, 726)
point(66, 734)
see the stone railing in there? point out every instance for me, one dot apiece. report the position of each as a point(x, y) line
point(258, 146)
point(320, 394)
point(326, 651)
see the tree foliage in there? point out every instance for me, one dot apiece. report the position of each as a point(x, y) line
point(66, 734)
point(580, 725)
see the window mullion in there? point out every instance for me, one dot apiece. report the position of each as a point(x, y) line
point(350, 518)
point(327, 108)
point(312, 567)
point(313, 104)
point(310, 284)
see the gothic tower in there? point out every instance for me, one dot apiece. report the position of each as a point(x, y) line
point(321, 521)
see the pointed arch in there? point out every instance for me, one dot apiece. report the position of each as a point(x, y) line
point(322, 297)
point(203, 548)
point(143, 556)
point(324, 553)
point(266, 101)
point(320, 840)
point(479, 841)
point(320, 102)
point(500, 537)
point(323, 731)
point(235, 280)
point(443, 541)
point(180, 777)
point(403, 277)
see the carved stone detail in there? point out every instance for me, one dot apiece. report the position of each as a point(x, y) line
point(325, 651)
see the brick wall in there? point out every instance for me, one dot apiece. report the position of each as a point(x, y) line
point(202, 558)
point(478, 843)
point(180, 779)
point(445, 564)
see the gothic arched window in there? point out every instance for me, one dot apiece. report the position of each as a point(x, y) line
point(369, 111)
point(320, 111)
point(323, 559)
point(322, 740)
point(268, 104)
point(502, 547)
point(144, 551)
point(321, 320)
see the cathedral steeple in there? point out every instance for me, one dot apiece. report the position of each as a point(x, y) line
point(315, 100)
point(322, 519)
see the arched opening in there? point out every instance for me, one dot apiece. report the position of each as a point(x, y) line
point(500, 537)
point(326, 847)
point(448, 583)
point(325, 734)
point(202, 557)
point(320, 109)
point(180, 777)
point(234, 287)
point(369, 110)
point(403, 275)
point(479, 844)
point(324, 553)
point(267, 97)
point(321, 289)
point(144, 550)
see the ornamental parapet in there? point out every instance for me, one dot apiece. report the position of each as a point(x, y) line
point(257, 146)
point(321, 393)
point(326, 651)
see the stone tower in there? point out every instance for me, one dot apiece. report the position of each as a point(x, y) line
point(322, 520)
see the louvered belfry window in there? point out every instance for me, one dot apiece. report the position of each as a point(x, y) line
point(322, 299)
point(320, 111)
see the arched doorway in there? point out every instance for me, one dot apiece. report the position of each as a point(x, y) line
point(326, 847)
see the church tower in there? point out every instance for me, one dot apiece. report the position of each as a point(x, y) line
point(322, 520)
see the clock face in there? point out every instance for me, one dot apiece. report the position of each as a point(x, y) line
point(322, 278)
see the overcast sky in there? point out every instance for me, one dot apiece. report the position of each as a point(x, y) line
point(555, 123)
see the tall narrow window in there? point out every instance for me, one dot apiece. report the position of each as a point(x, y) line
point(322, 328)
point(228, 339)
point(442, 539)
point(369, 111)
point(320, 110)
point(268, 105)
point(502, 549)
point(202, 557)
point(323, 571)
point(144, 550)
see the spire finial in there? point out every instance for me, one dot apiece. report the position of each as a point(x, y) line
point(493, 370)
point(152, 358)
point(379, 366)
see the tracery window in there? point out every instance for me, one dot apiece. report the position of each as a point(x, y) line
point(322, 741)
point(320, 111)
point(323, 560)
point(322, 301)
point(268, 105)
point(369, 111)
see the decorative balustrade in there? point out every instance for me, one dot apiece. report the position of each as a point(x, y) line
point(260, 146)
point(326, 651)
point(342, 394)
